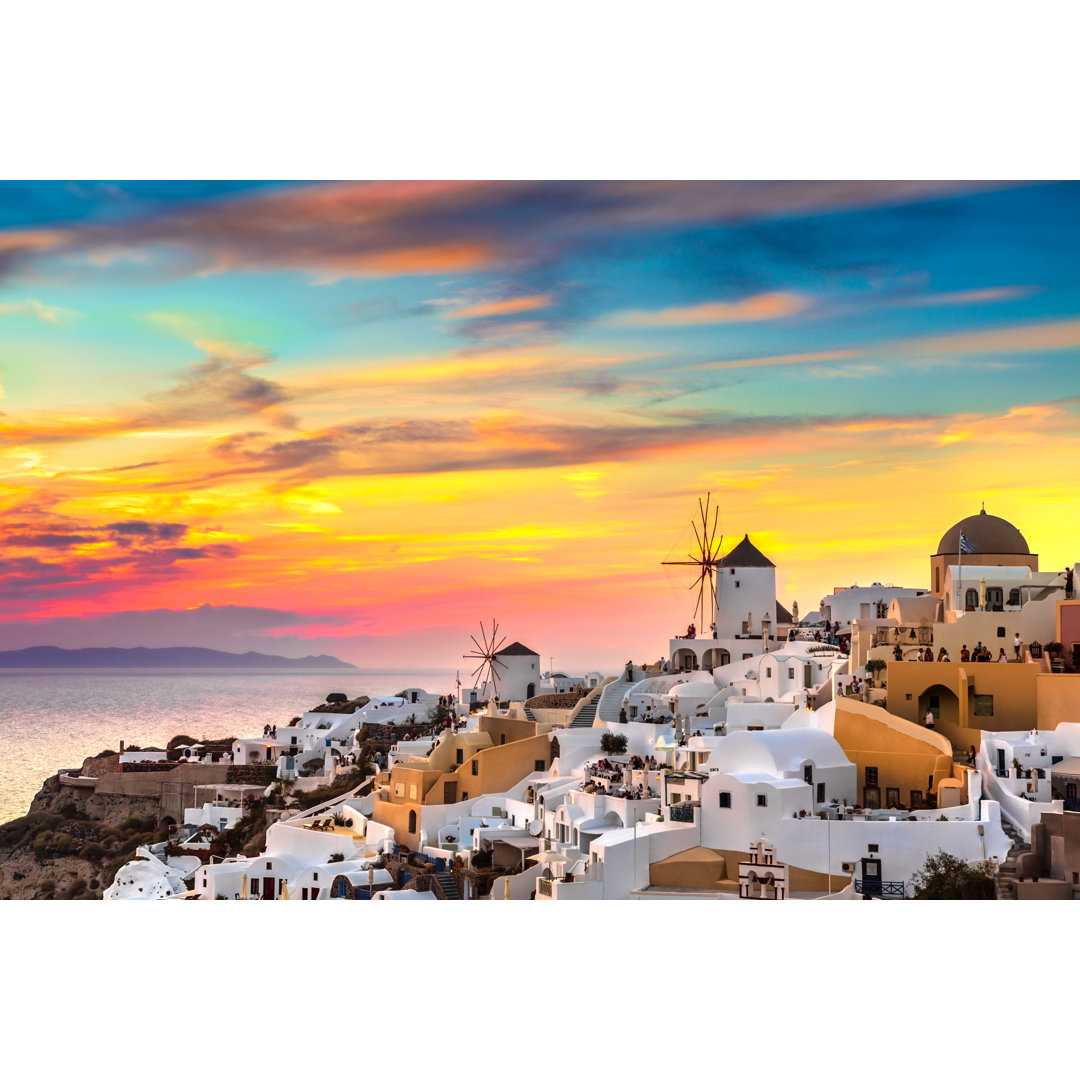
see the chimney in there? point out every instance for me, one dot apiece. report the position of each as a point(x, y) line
point(121, 746)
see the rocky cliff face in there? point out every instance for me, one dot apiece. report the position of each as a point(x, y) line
point(72, 841)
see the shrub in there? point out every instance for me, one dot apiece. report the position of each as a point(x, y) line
point(180, 740)
point(336, 857)
point(613, 743)
point(945, 877)
point(92, 852)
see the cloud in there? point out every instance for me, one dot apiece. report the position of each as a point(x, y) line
point(230, 628)
point(964, 297)
point(1028, 337)
point(759, 308)
point(492, 308)
point(37, 310)
point(221, 387)
point(389, 228)
point(781, 361)
point(53, 557)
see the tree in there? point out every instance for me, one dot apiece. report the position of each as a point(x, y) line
point(945, 877)
point(612, 743)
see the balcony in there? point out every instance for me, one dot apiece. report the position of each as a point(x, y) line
point(887, 890)
point(904, 635)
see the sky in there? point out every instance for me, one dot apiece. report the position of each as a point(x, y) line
point(359, 418)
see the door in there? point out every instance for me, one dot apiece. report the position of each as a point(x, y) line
point(892, 797)
point(268, 888)
point(314, 894)
point(1001, 762)
point(1070, 791)
point(871, 798)
point(450, 791)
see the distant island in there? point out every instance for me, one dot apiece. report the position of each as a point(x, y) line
point(49, 656)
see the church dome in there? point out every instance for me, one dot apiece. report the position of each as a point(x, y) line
point(988, 535)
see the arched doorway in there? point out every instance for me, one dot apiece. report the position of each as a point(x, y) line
point(715, 658)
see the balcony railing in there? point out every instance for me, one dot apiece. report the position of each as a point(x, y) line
point(682, 811)
point(884, 889)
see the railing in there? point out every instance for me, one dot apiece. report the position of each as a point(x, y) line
point(876, 887)
point(682, 811)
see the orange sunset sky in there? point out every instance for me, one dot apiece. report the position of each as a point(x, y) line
point(358, 418)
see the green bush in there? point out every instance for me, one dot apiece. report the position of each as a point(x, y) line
point(92, 852)
point(613, 743)
point(945, 877)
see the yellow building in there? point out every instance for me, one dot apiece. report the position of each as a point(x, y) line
point(502, 752)
point(898, 762)
point(966, 699)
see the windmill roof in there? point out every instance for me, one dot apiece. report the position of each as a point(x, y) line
point(744, 554)
point(517, 649)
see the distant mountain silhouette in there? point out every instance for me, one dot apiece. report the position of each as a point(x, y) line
point(49, 656)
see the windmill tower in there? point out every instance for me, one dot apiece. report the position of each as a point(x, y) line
point(706, 559)
point(486, 675)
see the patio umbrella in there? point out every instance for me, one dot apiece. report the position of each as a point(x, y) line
point(506, 888)
point(244, 887)
point(545, 858)
point(284, 890)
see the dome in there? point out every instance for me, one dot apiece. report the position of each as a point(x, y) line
point(988, 535)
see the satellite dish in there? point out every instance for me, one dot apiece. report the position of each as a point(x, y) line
point(536, 828)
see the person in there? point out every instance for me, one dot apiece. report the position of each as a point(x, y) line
point(898, 653)
point(1068, 583)
point(1002, 658)
point(622, 715)
point(929, 654)
point(928, 720)
point(971, 754)
point(839, 688)
point(965, 654)
point(714, 630)
point(1018, 642)
point(942, 654)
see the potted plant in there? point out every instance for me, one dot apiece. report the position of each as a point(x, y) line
point(874, 666)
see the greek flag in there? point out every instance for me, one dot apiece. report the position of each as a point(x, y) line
point(966, 546)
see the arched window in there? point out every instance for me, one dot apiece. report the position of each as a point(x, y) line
point(971, 598)
point(412, 821)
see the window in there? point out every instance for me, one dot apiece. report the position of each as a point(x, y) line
point(768, 673)
point(1014, 598)
point(539, 766)
point(821, 793)
point(747, 656)
point(915, 799)
point(935, 703)
point(892, 797)
point(881, 609)
point(971, 599)
point(1001, 631)
point(502, 740)
point(995, 600)
point(315, 877)
point(675, 798)
point(725, 800)
point(303, 894)
point(736, 584)
point(871, 775)
point(872, 848)
point(984, 704)
point(763, 800)
point(791, 673)
point(460, 756)
point(937, 579)
point(269, 866)
point(475, 767)
point(412, 821)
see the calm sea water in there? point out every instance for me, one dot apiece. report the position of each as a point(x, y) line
point(54, 719)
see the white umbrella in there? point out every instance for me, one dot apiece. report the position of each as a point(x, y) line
point(548, 857)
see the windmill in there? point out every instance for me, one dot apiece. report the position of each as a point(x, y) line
point(486, 653)
point(706, 559)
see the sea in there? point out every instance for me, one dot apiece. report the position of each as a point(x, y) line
point(53, 719)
